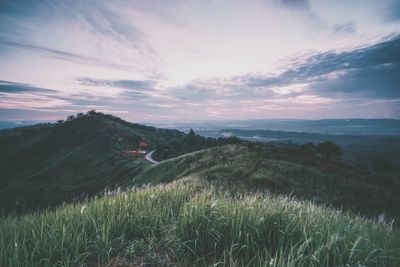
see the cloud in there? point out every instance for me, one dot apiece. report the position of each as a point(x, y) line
point(133, 90)
point(152, 57)
point(393, 11)
point(18, 96)
point(19, 88)
point(61, 55)
point(193, 92)
point(368, 72)
point(88, 33)
point(125, 84)
point(25, 96)
point(363, 73)
point(347, 27)
point(301, 4)
point(353, 80)
point(222, 91)
point(357, 81)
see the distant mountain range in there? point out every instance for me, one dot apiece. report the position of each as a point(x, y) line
point(13, 124)
point(325, 126)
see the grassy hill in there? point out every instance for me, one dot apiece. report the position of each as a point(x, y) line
point(46, 164)
point(359, 150)
point(282, 169)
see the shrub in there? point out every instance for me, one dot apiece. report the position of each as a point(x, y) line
point(328, 149)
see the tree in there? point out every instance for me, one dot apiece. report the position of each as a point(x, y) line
point(59, 121)
point(195, 141)
point(328, 149)
point(308, 148)
point(79, 115)
point(381, 165)
point(191, 138)
point(91, 112)
point(70, 117)
point(191, 133)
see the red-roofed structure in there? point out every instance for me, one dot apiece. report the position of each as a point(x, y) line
point(143, 144)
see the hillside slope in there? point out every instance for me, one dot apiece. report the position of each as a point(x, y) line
point(359, 150)
point(284, 170)
point(46, 164)
point(190, 222)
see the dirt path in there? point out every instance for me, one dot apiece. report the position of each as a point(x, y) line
point(149, 158)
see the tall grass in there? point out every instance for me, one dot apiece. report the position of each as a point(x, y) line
point(93, 231)
point(190, 223)
point(274, 231)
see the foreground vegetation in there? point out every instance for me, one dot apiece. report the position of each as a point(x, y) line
point(285, 170)
point(189, 222)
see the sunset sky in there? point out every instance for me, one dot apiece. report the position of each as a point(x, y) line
point(195, 60)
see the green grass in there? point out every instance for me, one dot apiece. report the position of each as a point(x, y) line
point(190, 222)
point(257, 167)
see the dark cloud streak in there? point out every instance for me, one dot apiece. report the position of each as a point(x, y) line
point(301, 4)
point(19, 88)
point(347, 27)
point(393, 11)
point(371, 71)
point(125, 84)
point(60, 54)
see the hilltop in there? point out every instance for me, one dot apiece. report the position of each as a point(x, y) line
point(44, 165)
point(47, 164)
point(361, 150)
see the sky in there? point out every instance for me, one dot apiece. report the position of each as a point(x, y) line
point(173, 60)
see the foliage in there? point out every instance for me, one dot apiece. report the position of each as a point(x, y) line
point(189, 143)
point(308, 148)
point(191, 223)
point(70, 118)
point(285, 170)
point(382, 165)
point(328, 149)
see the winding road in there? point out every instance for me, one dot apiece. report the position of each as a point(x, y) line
point(149, 158)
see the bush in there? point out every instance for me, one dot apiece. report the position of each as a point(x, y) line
point(328, 149)
point(308, 148)
point(382, 165)
point(70, 117)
